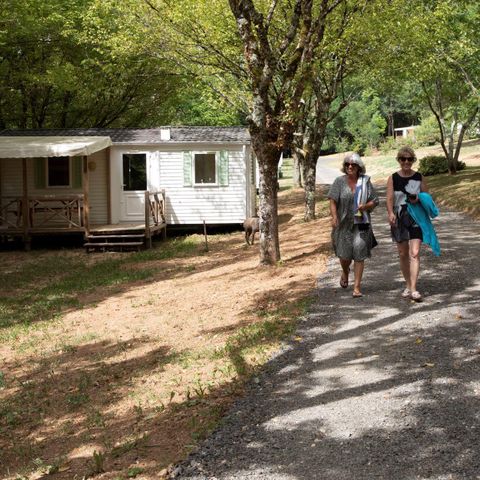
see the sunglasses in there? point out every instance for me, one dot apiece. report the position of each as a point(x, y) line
point(350, 165)
point(406, 159)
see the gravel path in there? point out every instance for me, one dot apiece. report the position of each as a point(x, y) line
point(372, 388)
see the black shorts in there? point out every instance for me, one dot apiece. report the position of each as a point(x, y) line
point(406, 229)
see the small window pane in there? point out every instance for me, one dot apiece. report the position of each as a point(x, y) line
point(134, 171)
point(205, 168)
point(58, 171)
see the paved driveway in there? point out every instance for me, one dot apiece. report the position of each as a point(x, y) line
point(325, 174)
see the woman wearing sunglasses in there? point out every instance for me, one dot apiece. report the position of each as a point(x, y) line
point(352, 197)
point(403, 188)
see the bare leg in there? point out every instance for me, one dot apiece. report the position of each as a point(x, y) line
point(345, 264)
point(358, 269)
point(403, 253)
point(414, 253)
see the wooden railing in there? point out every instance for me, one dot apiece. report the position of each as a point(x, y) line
point(44, 212)
point(154, 212)
point(54, 211)
point(10, 212)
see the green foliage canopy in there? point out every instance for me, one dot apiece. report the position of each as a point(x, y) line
point(78, 63)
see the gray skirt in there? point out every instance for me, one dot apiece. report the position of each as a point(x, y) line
point(354, 243)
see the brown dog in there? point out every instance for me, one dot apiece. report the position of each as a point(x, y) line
point(251, 226)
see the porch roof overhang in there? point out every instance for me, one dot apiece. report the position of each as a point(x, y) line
point(32, 147)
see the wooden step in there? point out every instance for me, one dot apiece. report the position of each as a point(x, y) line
point(109, 237)
point(113, 244)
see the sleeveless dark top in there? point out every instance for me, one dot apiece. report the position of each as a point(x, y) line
point(405, 227)
point(403, 186)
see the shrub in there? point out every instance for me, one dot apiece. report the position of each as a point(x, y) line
point(342, 145)
point(359, 147)
point(369, 151)
point(436, 164)
point(388, 145)
point(406, 141)
point(427, 132)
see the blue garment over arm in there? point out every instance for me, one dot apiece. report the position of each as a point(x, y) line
point(422, 212)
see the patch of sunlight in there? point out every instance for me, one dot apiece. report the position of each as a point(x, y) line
point(263, 472)
point(348, 415)
point(473, 288)
point(367, 317)
point(358, 373)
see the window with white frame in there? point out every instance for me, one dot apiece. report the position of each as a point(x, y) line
point(58, 171)
point(205, 168)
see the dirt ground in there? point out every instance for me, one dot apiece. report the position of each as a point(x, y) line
point(125, 385)
point(128, 383)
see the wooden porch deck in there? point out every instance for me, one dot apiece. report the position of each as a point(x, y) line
point(26, 217)
point(123, 236)
point(122, 227)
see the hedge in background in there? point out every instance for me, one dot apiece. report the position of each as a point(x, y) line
point(436, 164)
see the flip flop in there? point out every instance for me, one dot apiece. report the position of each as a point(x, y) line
point(357, 294)
point(406, 293)
point(416, 296)
point(343, 282)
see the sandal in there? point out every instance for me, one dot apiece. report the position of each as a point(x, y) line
point(357, 294)
point(343, 281)
point(406, 293)
point(416, 296)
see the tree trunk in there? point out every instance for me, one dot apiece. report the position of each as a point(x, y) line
point(268, 157)
point(452, 167)
point(312, 145)
point(297, 171)
point(268, 213)
point(391, 124)
point(463, 130)
point(309, 174)
point(447, 142)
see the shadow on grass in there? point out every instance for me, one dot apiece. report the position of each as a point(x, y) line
point(72, 395)
point(460, 191)
point(46, 285)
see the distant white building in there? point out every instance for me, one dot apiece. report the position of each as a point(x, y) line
point(404, 132)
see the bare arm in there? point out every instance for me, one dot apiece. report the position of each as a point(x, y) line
point(391, 214)
point(333, 213)
point(367, 206)
point(423, 186)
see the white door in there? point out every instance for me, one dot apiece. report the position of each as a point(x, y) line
point(134, 185)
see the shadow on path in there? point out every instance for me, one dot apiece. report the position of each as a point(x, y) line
point(377, 387)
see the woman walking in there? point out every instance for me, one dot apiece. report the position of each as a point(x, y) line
point(403, 188)
point(352, 198)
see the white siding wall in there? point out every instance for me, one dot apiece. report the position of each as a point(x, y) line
point(11, 184)
point(251, 182)
point(189, 204)
point(98, 181)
